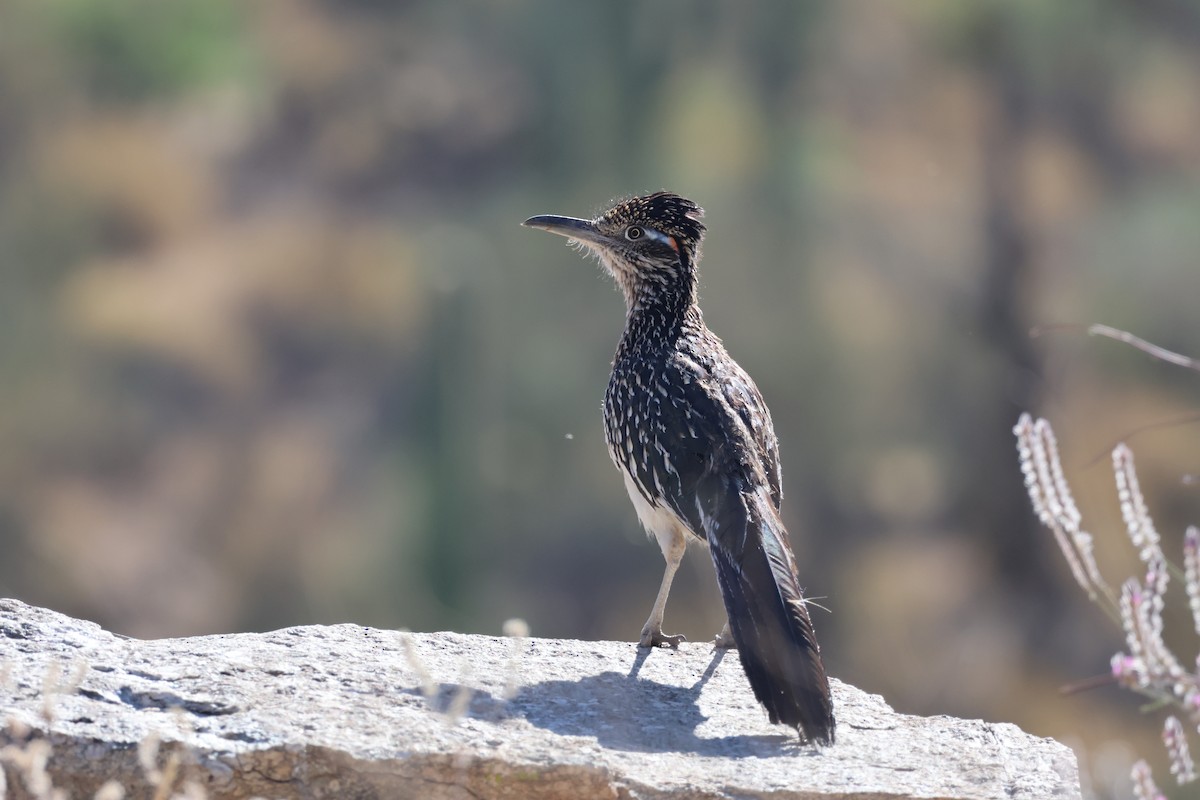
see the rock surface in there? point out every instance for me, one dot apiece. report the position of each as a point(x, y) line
point(352, 712)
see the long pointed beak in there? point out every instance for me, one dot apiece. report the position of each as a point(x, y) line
point(579, 229)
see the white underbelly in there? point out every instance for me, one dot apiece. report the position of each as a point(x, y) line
point(660, 522)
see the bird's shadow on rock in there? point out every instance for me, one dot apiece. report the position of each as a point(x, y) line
point(625, 712)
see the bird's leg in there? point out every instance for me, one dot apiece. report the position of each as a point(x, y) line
point(673, 546)
point(724, 639)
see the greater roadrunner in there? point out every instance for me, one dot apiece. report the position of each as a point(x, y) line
point(692, 437)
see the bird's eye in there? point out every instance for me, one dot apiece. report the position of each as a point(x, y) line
point(633, 232)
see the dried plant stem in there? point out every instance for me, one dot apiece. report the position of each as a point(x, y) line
point(1055, 506)
point(1147, 666)
point(1161, 353)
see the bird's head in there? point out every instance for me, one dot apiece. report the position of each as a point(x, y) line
point(649, 244)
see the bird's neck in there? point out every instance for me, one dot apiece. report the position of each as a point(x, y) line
point(657, 315)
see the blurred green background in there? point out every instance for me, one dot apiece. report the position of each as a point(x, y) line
point(274, 349)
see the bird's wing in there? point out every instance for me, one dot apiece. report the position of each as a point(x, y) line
point(709, 426)
point(743, 396)
point(702, 416)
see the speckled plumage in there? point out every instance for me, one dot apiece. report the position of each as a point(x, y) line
point(693, 437)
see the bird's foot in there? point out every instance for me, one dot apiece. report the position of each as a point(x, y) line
point(724, 639)
point(654, 637)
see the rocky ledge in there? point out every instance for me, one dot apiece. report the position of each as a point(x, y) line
point(351, 712)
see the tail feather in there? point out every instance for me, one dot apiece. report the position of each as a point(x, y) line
point(767, 616)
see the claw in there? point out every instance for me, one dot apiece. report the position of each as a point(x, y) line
point(656, 638)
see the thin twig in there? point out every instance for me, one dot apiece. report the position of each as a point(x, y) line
point(1161, 353)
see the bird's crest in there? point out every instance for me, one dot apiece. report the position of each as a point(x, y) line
point(665, 212)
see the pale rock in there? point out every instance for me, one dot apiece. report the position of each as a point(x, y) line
point(341, 711)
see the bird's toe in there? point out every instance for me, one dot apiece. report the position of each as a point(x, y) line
point(724, 641)
point(656, 638)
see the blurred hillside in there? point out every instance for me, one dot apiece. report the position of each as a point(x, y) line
point(274, 349)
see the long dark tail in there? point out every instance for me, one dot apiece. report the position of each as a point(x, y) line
point(776, 642)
